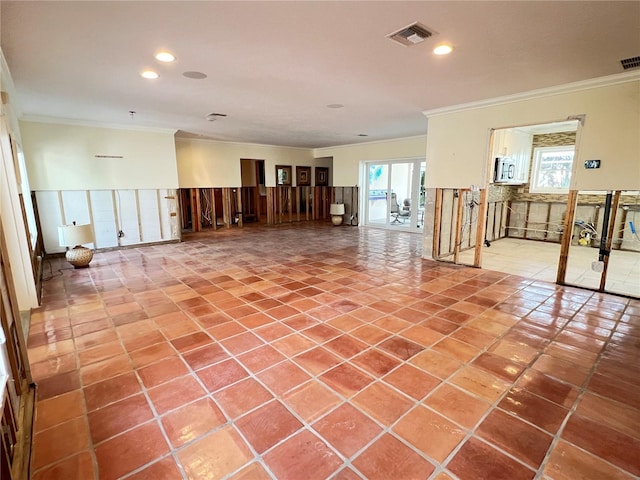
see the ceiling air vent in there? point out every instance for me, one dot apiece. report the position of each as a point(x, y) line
point(411, 35)
point(633, 62)
point(212, 117)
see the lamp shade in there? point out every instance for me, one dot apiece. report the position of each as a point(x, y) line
point(337, 209)
point(72, 235)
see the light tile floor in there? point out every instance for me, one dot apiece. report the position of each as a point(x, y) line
point(313, 352)
point(539, 261)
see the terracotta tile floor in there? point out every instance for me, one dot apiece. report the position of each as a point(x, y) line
point(311, 351)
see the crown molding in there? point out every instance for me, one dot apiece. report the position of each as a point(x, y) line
point(191, 139)
point(93, 124)
point(373, 142)
point(606, 81)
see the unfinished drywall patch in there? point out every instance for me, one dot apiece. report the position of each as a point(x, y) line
point(127, 210)
point(104, 218)
point(119, 217)
point(75, 207)
point(149, 214)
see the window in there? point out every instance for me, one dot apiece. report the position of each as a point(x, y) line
point(552, 169)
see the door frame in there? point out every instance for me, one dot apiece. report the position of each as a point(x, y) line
point(484, 197)
point(418, 162)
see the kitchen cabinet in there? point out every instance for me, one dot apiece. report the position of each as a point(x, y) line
point(516, 144)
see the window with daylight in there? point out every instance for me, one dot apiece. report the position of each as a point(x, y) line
point(551, 171)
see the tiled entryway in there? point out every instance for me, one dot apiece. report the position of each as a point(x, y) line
point(539, 260)
point(312, 352)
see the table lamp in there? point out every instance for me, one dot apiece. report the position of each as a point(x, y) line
point(73, 237)
point(337, 211)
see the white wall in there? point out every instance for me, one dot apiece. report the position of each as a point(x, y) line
point(63, 157)
point(135, 193)
point(458, 141)
point(13, 226)
point(347, 158)
point(209, 163)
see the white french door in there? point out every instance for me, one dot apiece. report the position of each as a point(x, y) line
point(392, 194)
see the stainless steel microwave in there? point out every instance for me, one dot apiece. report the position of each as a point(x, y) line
point(505, 170)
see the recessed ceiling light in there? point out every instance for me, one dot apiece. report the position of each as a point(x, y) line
point(194, 75)
point(165, 56)
point(150, 74)
point(335, 105)
point(443, 49)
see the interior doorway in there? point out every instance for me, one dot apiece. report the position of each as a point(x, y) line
point(534, 194)
point(519, 218)
point(393, 194)
point(254, 190)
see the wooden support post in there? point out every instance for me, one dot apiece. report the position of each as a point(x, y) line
point(452, 224)
point(257, 203)
point(226, 207)
point(198, 217)
point(239, 211)
point(526, 220)
point(495, 220)
point(195, 209)
point(621, 227)
point(546, 225)
point(486, 223)
point(482, 228)
point(297, 202)
point(611, 228)
point(290, 204)
point(456, 246)
point(271, 206)
point(214, 215)
point(314, 203)
point(567, 232)
point(326, 197)
point(437, 225)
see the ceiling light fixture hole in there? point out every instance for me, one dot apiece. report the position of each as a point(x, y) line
point(195, 75)
point(212, 117)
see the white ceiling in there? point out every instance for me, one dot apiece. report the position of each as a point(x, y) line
point(273, 67)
